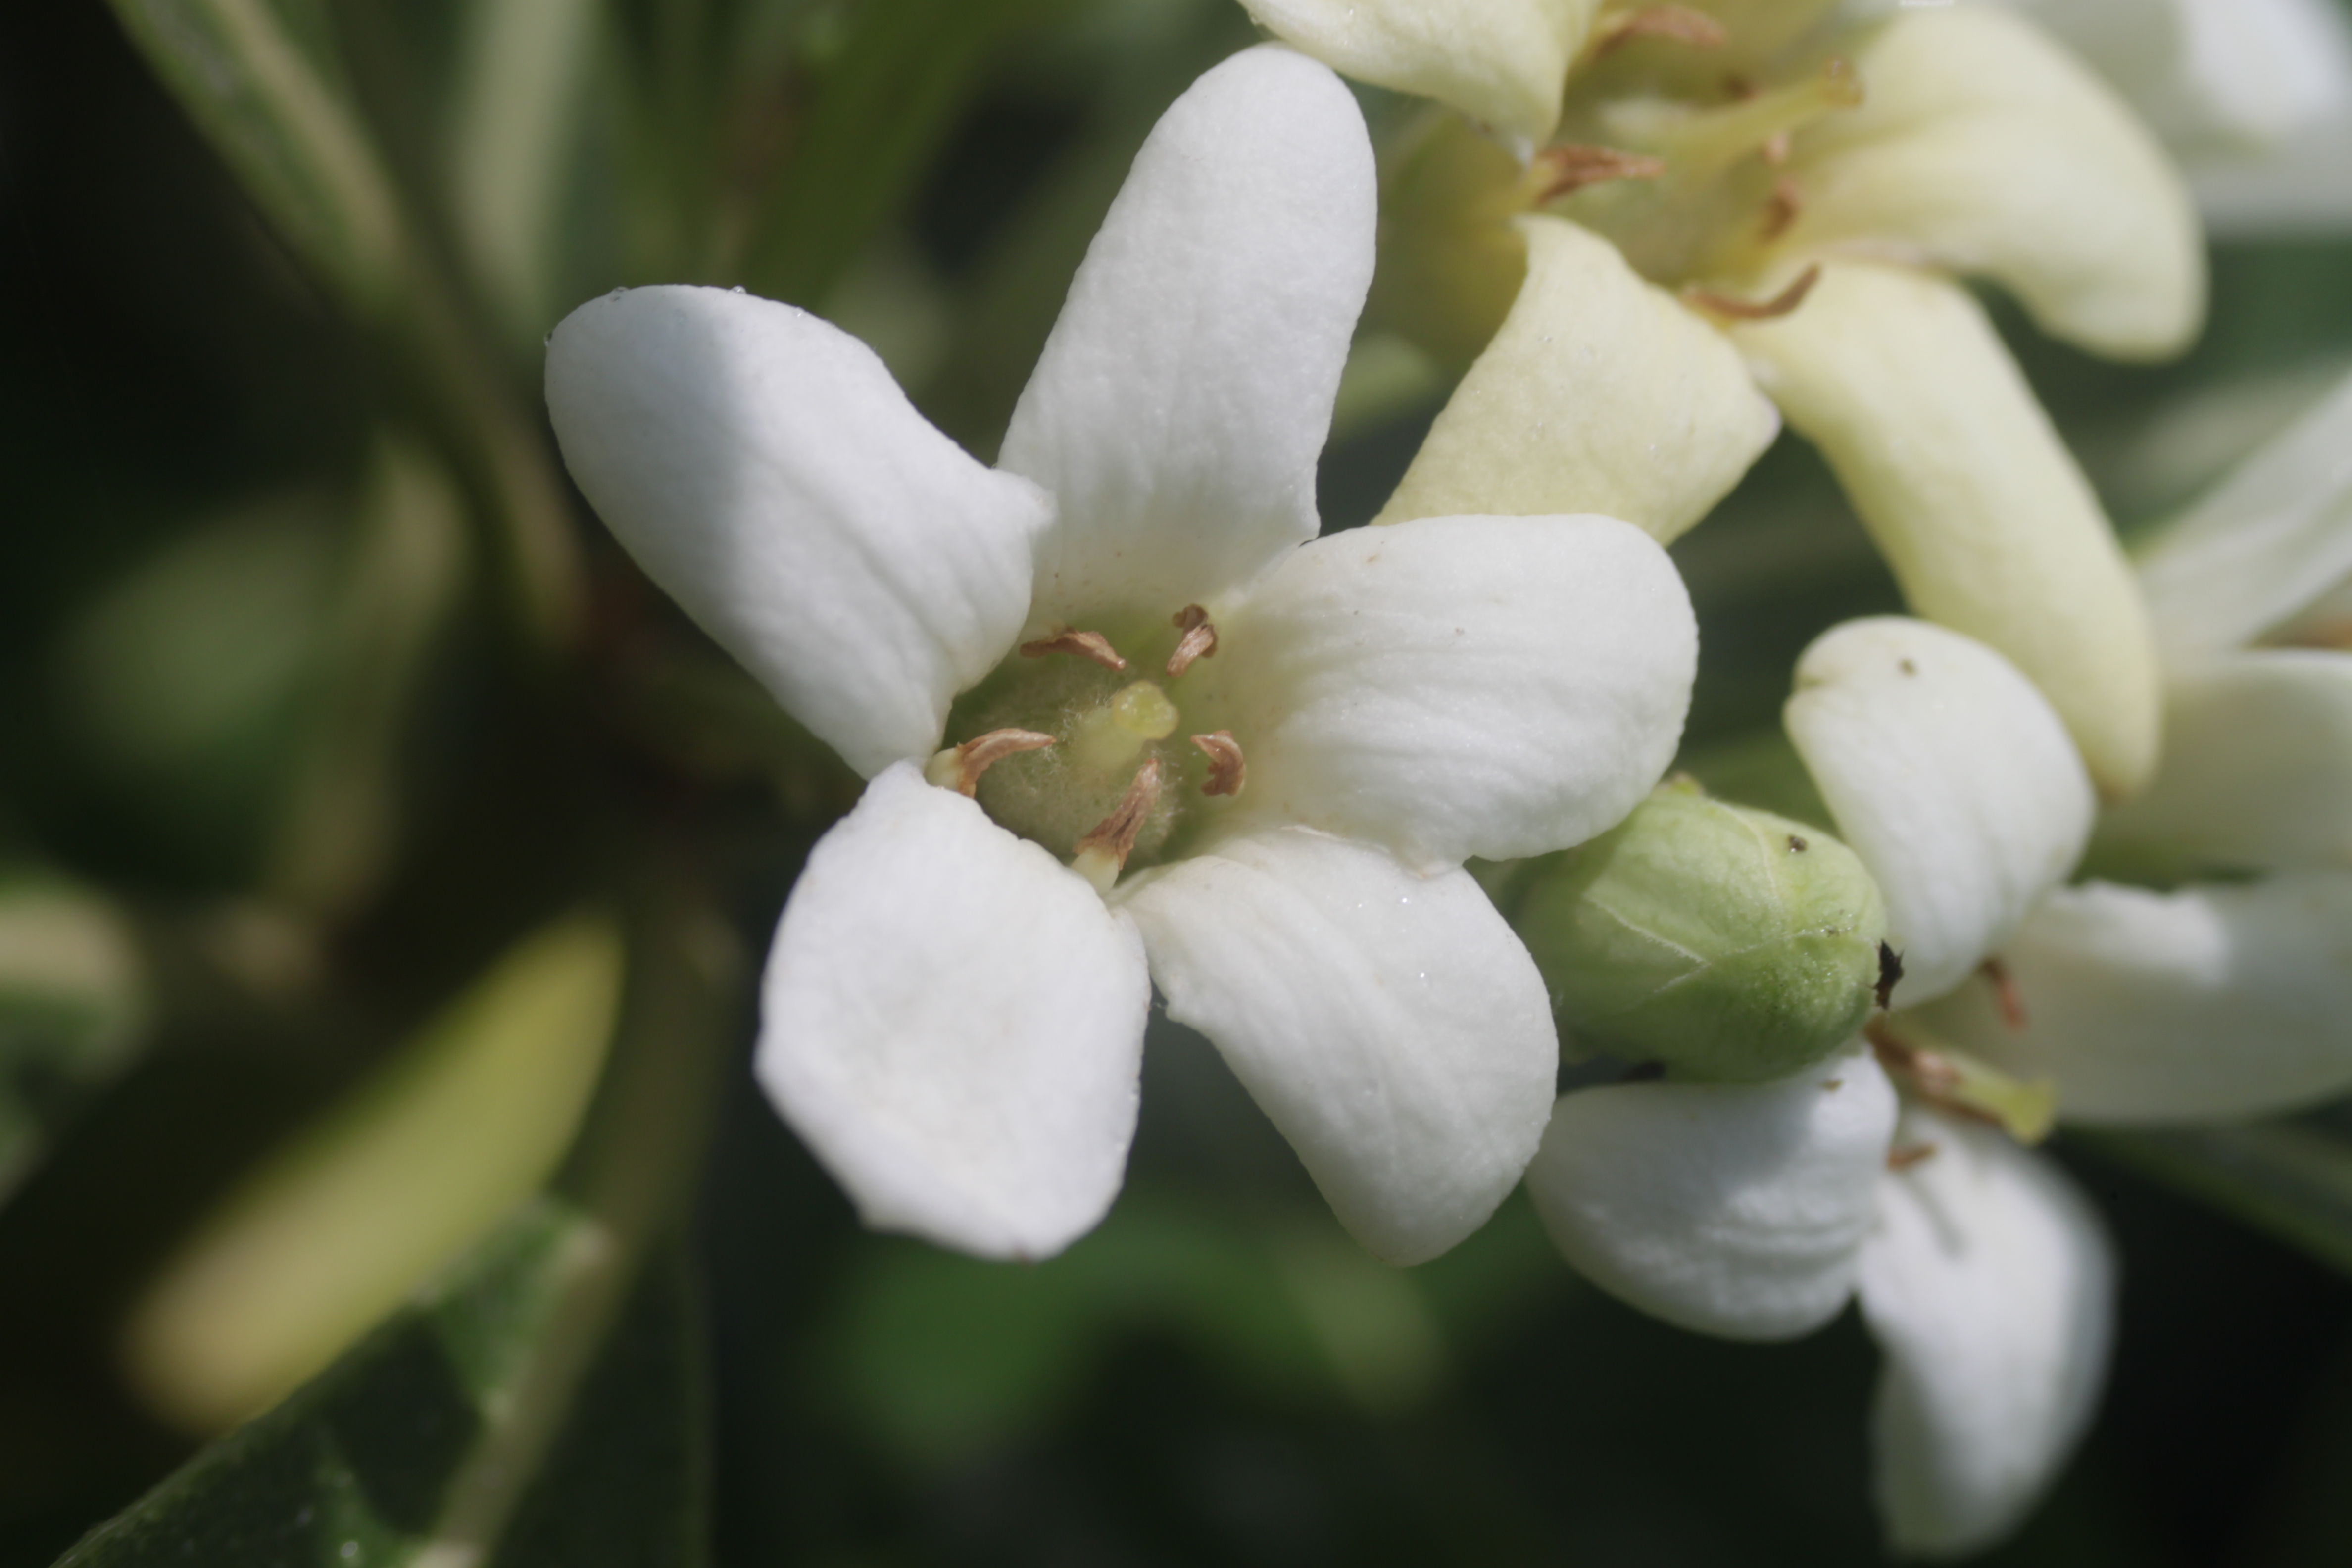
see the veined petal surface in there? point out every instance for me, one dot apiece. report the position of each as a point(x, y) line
point(953, 1021)
point(2272, 537)
point(1951, 777)
point(1989, 1287)
point(1984, 517)
point(1182, 398)
point(2204, 1004)
point(763, 468)
point(1985, 147)
point(2257, 770)
point(1598, 394)
point(1460, 686)
point(1391, 1024)
point(1732, 1209)
point(1500, 61)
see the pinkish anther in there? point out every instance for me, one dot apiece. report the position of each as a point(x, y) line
point(1085, 645)
point(1199, 641)
point(1227, 771)
point(977, 755)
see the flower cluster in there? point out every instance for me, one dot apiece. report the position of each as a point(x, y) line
point(1129, 724)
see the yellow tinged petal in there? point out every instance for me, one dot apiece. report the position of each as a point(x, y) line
point(335, 1229)
point(1988, 525)
point(1500, 61)
point(1600, 393)
point(1983, 146)
point(1451, 257)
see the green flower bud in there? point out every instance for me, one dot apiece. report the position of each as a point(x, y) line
point(1728, 943)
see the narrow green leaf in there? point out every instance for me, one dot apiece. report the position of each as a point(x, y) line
point(2292, 1181)
point(538, 1403)
point(72, 1001)
point(280, 114)
point(361, 1468)
point(880, 109)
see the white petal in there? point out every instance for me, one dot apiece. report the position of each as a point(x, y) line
point(1990, 1288)
point(1983, 515)
point(764, 468)
point(1180, 405)
point(2257, 770)
point(2212, 72)
point(1450, 687)
point(1951, 777)
point(1733, 1209)
point(1391, 1024)
point(954, 1023)
point(1984, 147)
point(1501, 61)
point(2201, 1004)
point(1600, 393)
point(2262, 544)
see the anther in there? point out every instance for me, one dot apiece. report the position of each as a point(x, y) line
point(1085, 645)
point(1102, 853)
point(1904, 1158)
point(1565, 170)
point(1782, 206)
point(1199, 641)
point(959, 767)
point(1779, 305)
point(1227, 771)
point(2005, 994)
point(1678, 23)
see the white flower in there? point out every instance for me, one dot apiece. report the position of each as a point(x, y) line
point(1754, 1211)
point(1301, 741)
point(1758, 205)
point(1757, 1212)
point(2254, 97)
point(2227, 996)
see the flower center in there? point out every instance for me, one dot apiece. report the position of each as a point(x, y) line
point(1678, 156)
point(1071, 744)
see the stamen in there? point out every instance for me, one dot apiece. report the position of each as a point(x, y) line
point(1904, 1159)
point(1199, 641)
point(1779, 305)
point(1560, 171)
point(1679, 23)
point(2005, 994)
point(1085, 645)
point(959, 767)
point(1102, 853)
point(1227, 771)
point(1700, 143)
point(1781, 208)
point(1954, 1081)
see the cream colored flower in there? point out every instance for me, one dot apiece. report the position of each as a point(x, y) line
point(1740, 207)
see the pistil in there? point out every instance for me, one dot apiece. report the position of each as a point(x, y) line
point(1700, 143)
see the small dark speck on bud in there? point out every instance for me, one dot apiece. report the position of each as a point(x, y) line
point(1890, 970)
point(1908, 668)
point(1796, 845)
